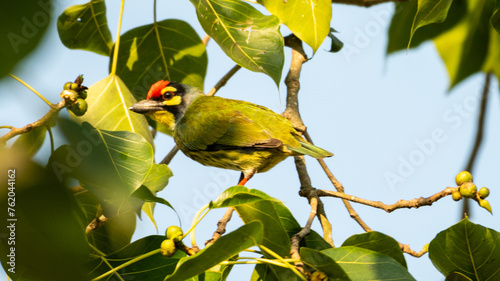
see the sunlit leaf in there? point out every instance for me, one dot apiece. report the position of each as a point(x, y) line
point(19, 34)
point(468, 248)
point(86, 27)
point(377, 242)
point(110, 164)
point(247, 36)
point(308, 20)
point(31, 142)
point(495, 18)
point(429, 11)
point(108, 108)
point(464, 48)
point(166, 50)
point(224, 248)
point(363, 264)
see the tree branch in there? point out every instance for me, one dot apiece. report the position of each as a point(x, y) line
point(54, 110)
point(479, 136)
point(221, 226)
point(95, 224)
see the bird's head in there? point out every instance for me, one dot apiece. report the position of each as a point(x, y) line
point(167, 101)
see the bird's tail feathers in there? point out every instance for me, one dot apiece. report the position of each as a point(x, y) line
point(311, 150)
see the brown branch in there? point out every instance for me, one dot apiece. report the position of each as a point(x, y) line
point(221, 226)
point(364, 3)
point(413, 203)
point(222, 82)
point(340, 188)
point(206, 39)
point(479, 136)
point(53, 111)
point(406, 248)
point(95, 224)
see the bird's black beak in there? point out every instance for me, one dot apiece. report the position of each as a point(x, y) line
point(146, 106)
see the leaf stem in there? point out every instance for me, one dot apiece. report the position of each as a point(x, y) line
point(31, 88)
point(117, 43)
point(51, 139)
point(197, 218)
point(289, 266)
point(141, 257)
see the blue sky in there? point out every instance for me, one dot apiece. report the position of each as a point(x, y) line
point(379, 115)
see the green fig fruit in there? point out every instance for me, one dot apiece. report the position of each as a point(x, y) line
point(456, 195)
point(82, 94)
point(67, 85)
point(463, 177)
point(174, 232)
point(484, 192)
point(168, 248)
point(468, 190)
point(319, 276)
point(80, 107)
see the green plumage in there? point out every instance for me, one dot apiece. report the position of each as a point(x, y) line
point(225, 133)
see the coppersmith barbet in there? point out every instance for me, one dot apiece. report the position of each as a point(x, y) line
point(224, 133)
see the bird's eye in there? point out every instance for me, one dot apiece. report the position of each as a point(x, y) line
point(167, 95)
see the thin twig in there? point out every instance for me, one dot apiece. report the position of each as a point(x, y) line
point(413, 203)
point(221, 226)
point(54, 110)
point(205, 40)
point(406, 248)
point(479, 136)
point(95, 224)
point(212, 92)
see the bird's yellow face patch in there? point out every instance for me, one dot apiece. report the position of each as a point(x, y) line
point(169, 96)
point(175, 100)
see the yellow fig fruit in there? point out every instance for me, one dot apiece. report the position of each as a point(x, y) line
point(463, 177)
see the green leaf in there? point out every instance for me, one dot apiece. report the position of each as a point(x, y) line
point(238, 195)
point(44, 221)
point(31, 142)
point(224, 248)
point(154, 267)
point(429, 11)
point(495, 18)
point(248, 37)
point(112, 235)
point(85, 27)
point(308, 20)
point(467, 248)
point(108, 108)
point(464, 48)
point(156, 181)
point(363, 264)
point(401, 23)
point(110, 164)
point(377, 242)
point(457, 276)
point(323, 262)
point(169, 49)
point(263, 272)
point(22, 26)
point(336, 43)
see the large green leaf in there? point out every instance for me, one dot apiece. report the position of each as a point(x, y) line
point(324, 263)
point(247, 36)
point(43, 232)
point(22, 26)
point(464, 48)
point(377, 242)
point(308, 20)
point(31, 141)
point(110, 164)
point(112, 235)
point(108, 108)
point(429, 11)
point(363, 264)
point(401, 23)
point(468, 248)
point(169, 49)
point(86, 27)
point(224, 248)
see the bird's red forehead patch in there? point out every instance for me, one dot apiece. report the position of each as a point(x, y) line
point(155, 90)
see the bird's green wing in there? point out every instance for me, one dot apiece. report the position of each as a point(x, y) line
point(217, 123)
